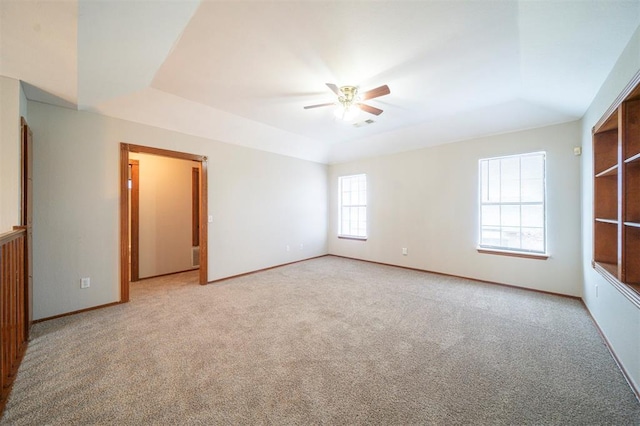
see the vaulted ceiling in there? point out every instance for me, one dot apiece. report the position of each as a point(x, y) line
point(241, 72)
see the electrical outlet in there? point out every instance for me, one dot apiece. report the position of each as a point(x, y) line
point(288, 248)
point(85, 282)
point(405, 251)
point(301, 246)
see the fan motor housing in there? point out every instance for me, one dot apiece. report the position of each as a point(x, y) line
point(349, 94)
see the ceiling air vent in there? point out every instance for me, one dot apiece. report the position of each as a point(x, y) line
point(363, 123)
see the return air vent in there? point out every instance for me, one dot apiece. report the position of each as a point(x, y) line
point(363, 123)
point(195, 256)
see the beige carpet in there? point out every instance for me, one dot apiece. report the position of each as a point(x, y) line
point(326, 341)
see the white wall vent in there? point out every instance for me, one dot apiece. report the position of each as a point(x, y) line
point(195, 256)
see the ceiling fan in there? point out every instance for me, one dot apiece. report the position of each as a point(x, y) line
point(349, 99)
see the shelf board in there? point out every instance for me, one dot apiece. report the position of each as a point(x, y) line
point(611, 171)
point(611, 123)
point(611, 268)
point(632, 224)
point(611, 221)
point(633, 158)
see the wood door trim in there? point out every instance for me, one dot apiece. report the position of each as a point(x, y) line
point(124, 223)
point(26, 194)
point(135, 219)
point(125, 149)
point(195, 206)
point(204, 226)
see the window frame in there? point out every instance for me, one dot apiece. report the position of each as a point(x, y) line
point(341, 233)
point(510, 251)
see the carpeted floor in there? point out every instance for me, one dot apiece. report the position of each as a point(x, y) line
point(325, 341)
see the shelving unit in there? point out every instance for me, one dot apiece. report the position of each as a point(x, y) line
point(616, 206)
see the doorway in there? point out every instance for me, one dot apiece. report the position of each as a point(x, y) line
point(125, 210)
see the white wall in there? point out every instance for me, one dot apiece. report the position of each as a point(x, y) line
point(427, 201)
point(618, 318)
point(260, 202)
point(164, 214)
point(12, 106)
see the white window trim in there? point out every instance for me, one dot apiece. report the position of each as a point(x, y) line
point(507, 251)
point(342, 235)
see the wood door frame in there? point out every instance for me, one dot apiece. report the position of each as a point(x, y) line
point(135, 219)
point(125, 149)
point(26, 217)
point(195, 206)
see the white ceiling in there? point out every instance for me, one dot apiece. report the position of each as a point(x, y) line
point(241, 72)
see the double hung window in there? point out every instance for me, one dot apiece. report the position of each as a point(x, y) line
point(512, 203)
point(353, 206)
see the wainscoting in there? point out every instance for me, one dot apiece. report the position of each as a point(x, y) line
point(14, 309)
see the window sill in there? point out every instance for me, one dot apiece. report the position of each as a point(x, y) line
point(537, 256)
point(344, 237)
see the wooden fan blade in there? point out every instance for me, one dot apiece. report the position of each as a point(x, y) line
point(374, 93)
point(318, 105)
point(370, 109)
point(334, 89)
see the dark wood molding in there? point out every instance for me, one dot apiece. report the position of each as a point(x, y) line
point(204, 222)
point(26, 207)
point(195, 206)
point(14, 313)
point(12, 235)
point(266, 269)
point(166, 275)
point(67, 314)
point(444, 274)
point(616, 206)
point(625, 373)
point(163, 152)
point(626, 92)
point(627, 290)
point(514, 254)
point(124, 223)
point(125, 149)
point(135, 219)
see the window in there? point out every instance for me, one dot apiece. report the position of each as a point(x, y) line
point(353, 207)
point(512, 203)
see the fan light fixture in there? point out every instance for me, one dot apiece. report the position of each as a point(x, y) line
point(348, 104)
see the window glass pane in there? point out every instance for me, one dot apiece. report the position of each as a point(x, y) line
point(494, 181)
point(491, 236)
point(510, 180)
point(532, 190)
point(533, 215)
point(532, 166)
point(346, 214)
point(533, 239)
point(346, 198)
point(510, 238)
point(510, 215)
point(510, 191)
point(484, 180)
point(491, 215)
